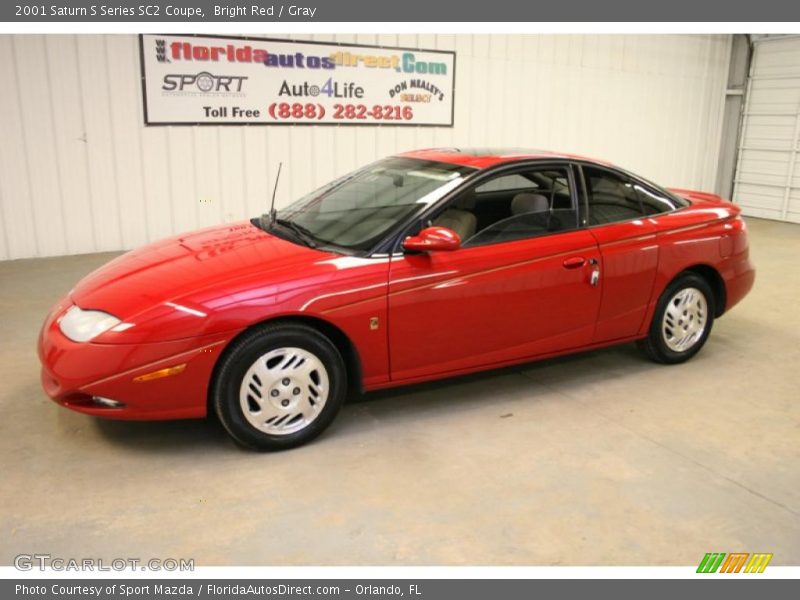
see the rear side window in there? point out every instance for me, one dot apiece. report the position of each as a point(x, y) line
point(654, 202)
point(613, 198)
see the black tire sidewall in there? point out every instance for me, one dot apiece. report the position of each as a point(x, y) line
point(657, 342)
point(244, 352)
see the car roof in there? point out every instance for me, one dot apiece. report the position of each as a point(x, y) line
point(483, 158)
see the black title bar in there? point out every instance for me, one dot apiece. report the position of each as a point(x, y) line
point(700, 588)
point(333, 11)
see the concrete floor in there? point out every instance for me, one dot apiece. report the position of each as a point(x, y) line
point(598, 459)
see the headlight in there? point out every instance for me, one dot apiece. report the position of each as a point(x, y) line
point(84, 325)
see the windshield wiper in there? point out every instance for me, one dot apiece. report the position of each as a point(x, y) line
point(301, 232)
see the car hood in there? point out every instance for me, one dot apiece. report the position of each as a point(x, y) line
point(170, 270)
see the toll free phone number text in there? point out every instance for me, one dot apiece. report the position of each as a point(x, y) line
point(281, 111)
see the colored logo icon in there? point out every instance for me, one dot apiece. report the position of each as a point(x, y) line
point(741, 562)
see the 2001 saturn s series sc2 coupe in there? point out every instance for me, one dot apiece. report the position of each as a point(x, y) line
point(420, 266)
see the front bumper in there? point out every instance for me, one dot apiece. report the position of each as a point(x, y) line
point(74, 373)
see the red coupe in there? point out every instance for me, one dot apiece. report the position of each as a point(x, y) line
point(420, 266)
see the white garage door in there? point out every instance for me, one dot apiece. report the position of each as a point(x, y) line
point(768, 171)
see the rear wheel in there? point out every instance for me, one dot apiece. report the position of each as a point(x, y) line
point(682, 320)
point(279, 386)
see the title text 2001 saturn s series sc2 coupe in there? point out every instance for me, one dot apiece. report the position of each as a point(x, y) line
point(420, 266)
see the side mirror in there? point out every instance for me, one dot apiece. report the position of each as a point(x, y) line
point(433, 238)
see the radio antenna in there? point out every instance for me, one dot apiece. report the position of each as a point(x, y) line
point(272, 212)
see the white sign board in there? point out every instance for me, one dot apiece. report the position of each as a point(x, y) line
point(213, 80)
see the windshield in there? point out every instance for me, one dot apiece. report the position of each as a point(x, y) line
point(358, 210)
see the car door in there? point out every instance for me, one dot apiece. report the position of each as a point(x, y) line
point(616, 213)
point(512, 291)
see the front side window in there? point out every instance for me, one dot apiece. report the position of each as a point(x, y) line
point(515, 181)
point(529, 203)
point(357, 211)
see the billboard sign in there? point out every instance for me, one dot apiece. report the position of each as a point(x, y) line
point(195, 80)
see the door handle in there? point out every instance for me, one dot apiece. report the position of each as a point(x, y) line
point(594, 278)
point(574, 262)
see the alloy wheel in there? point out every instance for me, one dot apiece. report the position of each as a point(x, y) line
point(284, 391)
point(685, 319)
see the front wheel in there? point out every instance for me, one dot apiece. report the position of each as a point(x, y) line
point(279, 386)
point(682, 320)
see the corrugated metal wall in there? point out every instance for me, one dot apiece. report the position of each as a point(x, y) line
point(768, 172)
point(80, 173)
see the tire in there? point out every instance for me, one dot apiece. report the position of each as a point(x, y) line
point(689, 300)
point(279, 386)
